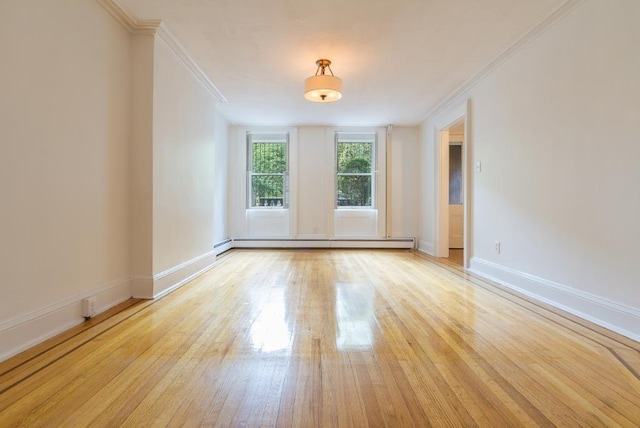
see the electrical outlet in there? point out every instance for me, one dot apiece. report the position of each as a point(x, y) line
point(89, 307)
point(496, 245)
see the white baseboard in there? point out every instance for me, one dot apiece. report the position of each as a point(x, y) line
point(427, 248)
point(142, 287)
point(281, 243)
point(386, 243)
point(612, 315)
point(170, 279)
point(21, 333)
point(324, 243)
point(223, 246)
point(312, 237)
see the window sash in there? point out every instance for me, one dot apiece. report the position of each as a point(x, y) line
point(343, 200)
point(260, 198)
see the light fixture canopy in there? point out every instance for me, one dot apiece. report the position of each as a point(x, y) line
point(323, 88)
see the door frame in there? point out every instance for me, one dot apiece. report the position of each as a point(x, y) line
point(441, 129)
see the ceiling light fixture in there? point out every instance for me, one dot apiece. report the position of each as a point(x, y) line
point(323, 88)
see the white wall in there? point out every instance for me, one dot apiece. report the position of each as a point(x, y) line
point(110, 182)
point(178, 186)
point(315, 191)
point(553, 128)
point(404, 176)
point(427, 188)
point(221, 230)
point(183, 162)
point(64, 168)
point(142, 57)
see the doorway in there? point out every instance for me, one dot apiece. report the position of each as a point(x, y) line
point(452, 145)
point(456, 189)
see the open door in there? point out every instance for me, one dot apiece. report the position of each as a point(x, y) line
point(452, 225)
point(456, 191)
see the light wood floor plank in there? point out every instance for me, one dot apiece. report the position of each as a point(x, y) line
point(323, 338)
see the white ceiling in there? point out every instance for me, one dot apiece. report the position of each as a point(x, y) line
point(398, 58)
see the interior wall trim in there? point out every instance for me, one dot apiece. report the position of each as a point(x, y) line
point(223, 246)
point(156, 27)
point(324, 243)
point(182, 266)
point(142, 287)
point(25, 331)
point(222, 243)
point(426, 247)
point(184, 56)
point(615, 316)
point(510, 51)
point(124, 16)
point(176, 276)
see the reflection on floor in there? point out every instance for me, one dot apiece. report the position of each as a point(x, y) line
point(324, 338)
point(455, 256)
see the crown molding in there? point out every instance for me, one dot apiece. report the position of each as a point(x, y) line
point(155, 27)
point(128, 20)
point(163, 32)
point(536, 31)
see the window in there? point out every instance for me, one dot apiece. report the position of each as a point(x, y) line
point(355, 167)
point(455, 174)
point(268, 170)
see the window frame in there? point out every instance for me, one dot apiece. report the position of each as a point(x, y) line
point(269, 138)
point(356, 137)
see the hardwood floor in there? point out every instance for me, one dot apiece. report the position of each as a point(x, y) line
point(328, 338)
point(456, 255)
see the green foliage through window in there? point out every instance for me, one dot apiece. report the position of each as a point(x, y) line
point(355, 161)
point(268, 172)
